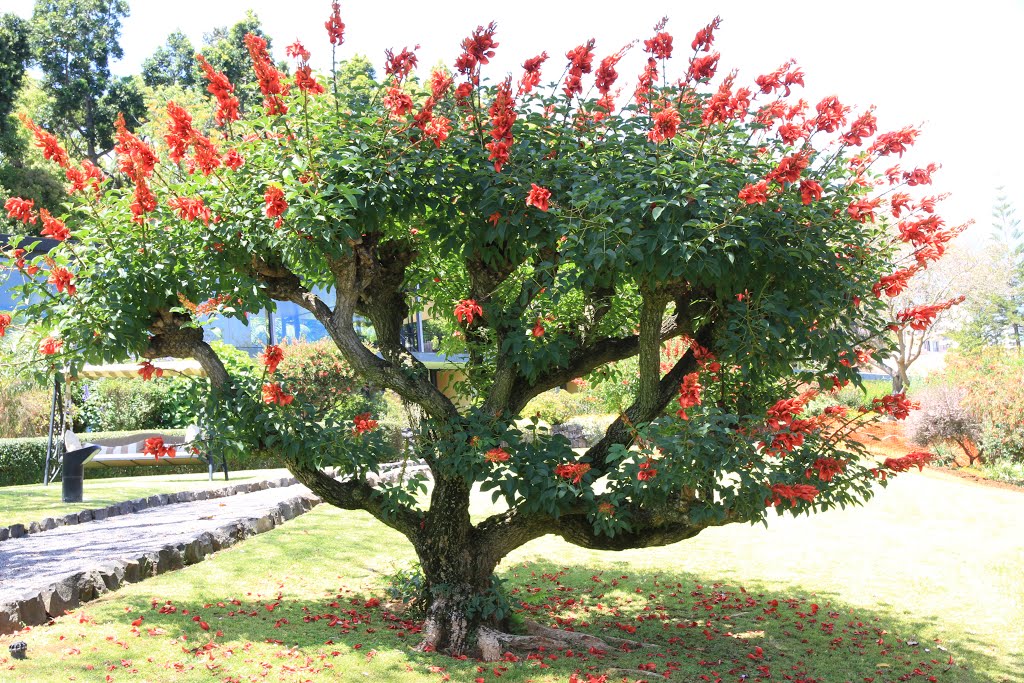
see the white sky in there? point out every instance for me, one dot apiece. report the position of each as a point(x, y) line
point(955, 67)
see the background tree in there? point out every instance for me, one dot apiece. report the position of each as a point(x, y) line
point(225, 49)
point(14, 55)
point(74, 41)
point(557, 233)
point(173, 63)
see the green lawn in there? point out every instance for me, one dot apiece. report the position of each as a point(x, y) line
point(34, 502)
point(926, 574)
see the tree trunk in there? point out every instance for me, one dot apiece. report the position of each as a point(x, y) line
point(897, 382)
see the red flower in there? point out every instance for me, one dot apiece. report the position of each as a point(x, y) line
point(53, 227)
point(273, 393)
point(895, 142)
point(50, 346)
point(703, 67)
point(363, 423)
point(896, 406)
point(400, 65)
point(497, 455)
point(221, 88)
point(298, 51)
point(572, 472)
point(863, 210)
point(47, 142)
point(5, 322)
point(155, 446)
point(810, 191)
point(689, 394)
point(538, 328)
point(233, 160)
point(898, 202)
point(791, 492)
point(466, 310)
point(275, 202)
point(645, 84)
point(267, 75)
point(398, 102)
point(538, 197)
point(921, 317)
point(477, 49)
point(646, 471)
point(440, 81)
point(605, 75)
point(305, 82)
point(706, 36)
point(783, 77)
point(894, 283)
point(827, 468)
point(494, 218)
point(863, 127)
point(920, 176)
point(135, 158)
point(335, 28)
point(531, 73)
point(438, 129)
point(20, 209)
point(666, 124)
point(581, 59)
point(190, 209)
point(660, 45)
point(88, 176)
point(272, 357)
point(756, 193)
point(916, 459)
point(789, 169)
point(61, 277)
point(784, 412)
point(147, 370)
point(831, 114)
point(503, 115)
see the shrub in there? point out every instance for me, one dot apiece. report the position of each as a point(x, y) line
point(111, 405)
point(558, 406)
point(316, 373)
point(24, 409)
point(944, 418)
point(994, 393)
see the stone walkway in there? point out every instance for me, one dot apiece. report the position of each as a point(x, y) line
point(44, 574)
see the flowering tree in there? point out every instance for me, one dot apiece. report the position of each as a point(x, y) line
point(559, 228)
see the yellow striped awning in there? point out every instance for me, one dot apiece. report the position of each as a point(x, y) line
point(171, 367)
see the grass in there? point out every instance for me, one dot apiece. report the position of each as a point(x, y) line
point(34, 502)
point(925, 574)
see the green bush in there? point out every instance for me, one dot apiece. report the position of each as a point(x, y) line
point(558, 406)
point(316, 373)
point(22, 460)
point(113, 405)
point(24, 408)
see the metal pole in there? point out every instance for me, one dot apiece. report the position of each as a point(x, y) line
point(270, 327)
point(49, 441)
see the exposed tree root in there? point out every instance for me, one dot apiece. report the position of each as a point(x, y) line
point(493, 644)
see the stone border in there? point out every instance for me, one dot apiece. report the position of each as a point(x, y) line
point(79, 588)
point(135, 505)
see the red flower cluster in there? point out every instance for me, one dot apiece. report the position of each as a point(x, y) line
point(53, 228)
point(401, 65)
point(645, 84)
point(864, 126)
point(538, 328)
point(756, 193)
point(88, 176)
point(267, 75)
point(363, 423)
point(503, 115)
point(831, 114)
point(724, 105)
point(666, 124)
point(191, 209)
point(275, 203)
point(784, 412)
point(916, 459)
point(136, 160)
point(706, 36)
point(581, 60)
point(646, 471)
point(863, 210)
point(921, 317)
point(304, 80)
point(782, 78)
point(810, 191)
point(702, 68)
point(147, 371)
point(895, 142)
point(605, 77)
point(61, 278)
point(155, 446)
point(531, 73)
point(896, 406)
point(47, 142)
point(272, 357)
point(222, 89)
point(50, 346)
point(496, 455)
point(273, 393)
point(5, 322)
point(894, 283)
point(20, 210)
point(660, 46)
point(476, 50)
point(572, 472)
point(689, 394)
point(466, 310)
point(826, 468)
point(335, 27)
point(397, 101)
point(538, 196)
point(792, 493)
point(789, 169)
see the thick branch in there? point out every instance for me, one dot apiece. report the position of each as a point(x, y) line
point(171, 338)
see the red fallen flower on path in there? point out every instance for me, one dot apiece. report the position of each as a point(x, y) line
point(810, 191)
point(53, 227)
point(497, 455)
point(646, 471)
point(916, 459)
point(20, 209)
point(363, 423)
point(272, 357)
point(273, 393)
point(61, 278)
point(531, 73)
point(47, 142)
point(5, 322)
point(538, 197)
point(155, 446)
point(466, 310)
point(50, 346)
point(666, 124)
point(791, 492)
point(572, 472)
point(222, 89)
point(756, 193)
point(335, 27)
point(147, 371)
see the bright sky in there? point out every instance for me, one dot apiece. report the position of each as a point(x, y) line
point(953, 67)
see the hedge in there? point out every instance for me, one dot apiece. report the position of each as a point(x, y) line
point(22, 460)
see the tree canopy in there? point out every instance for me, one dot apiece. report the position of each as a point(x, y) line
point(558, 225)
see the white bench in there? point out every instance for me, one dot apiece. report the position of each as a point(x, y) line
point(129, 451)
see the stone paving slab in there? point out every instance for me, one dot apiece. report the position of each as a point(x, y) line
point(42, 575)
